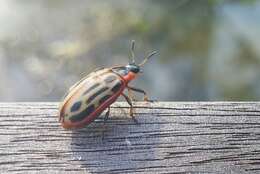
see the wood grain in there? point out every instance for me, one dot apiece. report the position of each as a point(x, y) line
point(172, 137)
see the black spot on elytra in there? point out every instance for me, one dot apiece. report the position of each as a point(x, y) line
point(116, 87)
point(110, 79)
point(103, 99)
point(75, 106)
point(81, 116)
point(91, 98)
point(91, 88)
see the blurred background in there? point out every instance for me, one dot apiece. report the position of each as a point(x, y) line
point(208, 49)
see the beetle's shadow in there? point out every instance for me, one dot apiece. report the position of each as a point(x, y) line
point(126, 146)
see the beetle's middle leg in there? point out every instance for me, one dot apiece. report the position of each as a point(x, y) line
point(140, 91)
point(131, 107)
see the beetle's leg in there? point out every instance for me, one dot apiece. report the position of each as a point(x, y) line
point(107, 115)
point(131, 107)
point(140, 91)
point(130, 95)
point(105, 120)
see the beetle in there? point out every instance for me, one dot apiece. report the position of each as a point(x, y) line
point(89, 97)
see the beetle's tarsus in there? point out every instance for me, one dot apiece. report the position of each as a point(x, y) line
point(149, 100)
point(140, 91)
point(132, 115)
point(146, 98)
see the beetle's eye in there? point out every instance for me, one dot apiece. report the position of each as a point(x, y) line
point(135, 69)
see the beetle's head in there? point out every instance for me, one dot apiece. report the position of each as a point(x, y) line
point(130, 71)
point(132, 66)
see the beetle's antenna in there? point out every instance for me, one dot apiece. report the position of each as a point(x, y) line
point(148, 57)
point(132, 52)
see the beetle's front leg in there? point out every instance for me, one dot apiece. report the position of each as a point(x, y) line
point(130, 95)
point(131, 107)
point(140, 91)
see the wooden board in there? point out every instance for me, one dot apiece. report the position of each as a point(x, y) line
point(172, 137)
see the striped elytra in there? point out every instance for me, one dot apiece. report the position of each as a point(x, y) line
point(95, 85)
point(116, 87)
point(80, 116)
point(75, 106)
point(110, 79)
point(97, 93)
point(103, 99)
point(89, 95)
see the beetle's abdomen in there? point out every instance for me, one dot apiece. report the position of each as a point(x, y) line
point(90, 97)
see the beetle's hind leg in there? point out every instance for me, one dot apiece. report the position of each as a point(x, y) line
point(129, 101)
point(107, 115)
point(140, 91)
point(105, 121)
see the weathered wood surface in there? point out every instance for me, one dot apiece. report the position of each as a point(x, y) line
point(172, 137)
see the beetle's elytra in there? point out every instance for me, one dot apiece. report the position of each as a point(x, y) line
point(89, 97)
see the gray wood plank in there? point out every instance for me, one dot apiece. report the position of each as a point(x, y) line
point(172, 137)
